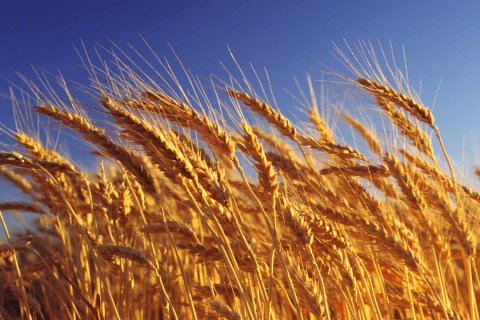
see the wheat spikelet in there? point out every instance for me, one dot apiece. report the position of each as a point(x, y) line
point(415, 199)
point(225, 311)
point(96, 136)
point(377, 233)
point(274, 117)
point(409, 104)
point(7, 249)
point(17, 179)
point(109, 251)
point(428, 169)
point(357, 171)
point(172, 226)
point(309, 291)
point(316, 227)
point(203, 292)
point(203, 252)
point(21, 206)
point(297, 224)
point(334, 149)
point(325, 133)
point(192, 146)
point(217, 138)
point(17, 160)
point(412, 131)
point(155, 142)
point(266, 173)
point(35, 147)
point(369, 137)
point(293, 168)
point(276, 143)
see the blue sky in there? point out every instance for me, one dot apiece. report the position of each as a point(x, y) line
point(442, 40)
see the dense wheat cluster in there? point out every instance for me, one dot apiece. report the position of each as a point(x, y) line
point(216, 205)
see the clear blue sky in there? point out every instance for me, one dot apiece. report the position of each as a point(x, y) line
point(442, 39)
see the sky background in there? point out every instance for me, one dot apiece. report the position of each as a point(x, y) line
point(289, 38)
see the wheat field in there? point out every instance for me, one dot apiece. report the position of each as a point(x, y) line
point(207, 202)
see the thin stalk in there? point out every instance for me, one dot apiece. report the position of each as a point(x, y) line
point(17, 268)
